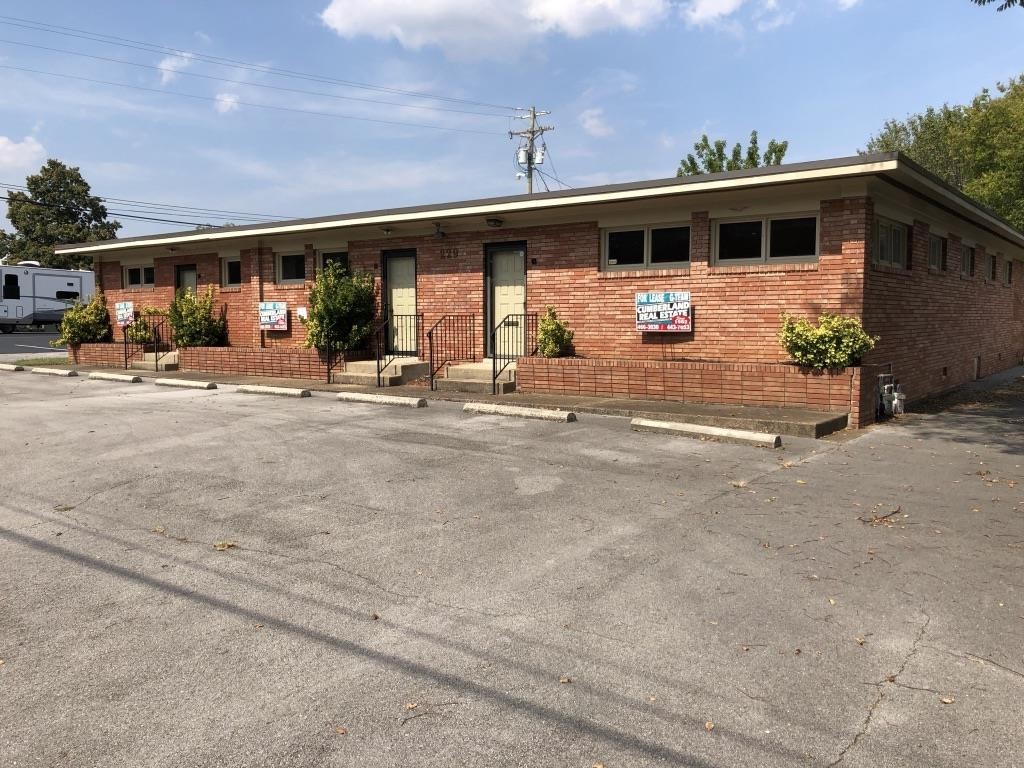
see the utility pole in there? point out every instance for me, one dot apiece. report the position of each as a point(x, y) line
point(526, 156)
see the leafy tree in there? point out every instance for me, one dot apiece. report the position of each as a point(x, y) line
point(194, 322)
point(341, 310)
point(57, 209)
point(1003, 4)
point(975, 148)
point(712, 158)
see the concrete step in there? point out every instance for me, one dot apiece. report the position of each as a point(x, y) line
point(482, 371)
point(364, 372)
point(475, 386)
point(165, 364)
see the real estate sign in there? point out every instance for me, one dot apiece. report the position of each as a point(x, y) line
point(124, 313)
point(273, 316)
point(664, 311)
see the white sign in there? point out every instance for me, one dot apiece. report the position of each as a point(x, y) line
point(273, 316)
point(124, 312)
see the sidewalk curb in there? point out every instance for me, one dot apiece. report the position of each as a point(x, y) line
point(259, 389)
point(185, 383)
point(122, 377)
point(737, 436)
point(53, 371)
point(362, 397)
point(543, 414)
point(11, 367)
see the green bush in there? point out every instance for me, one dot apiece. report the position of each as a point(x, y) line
point(341, 310)
point(194, 322)
point(139, 332)
point(835, 342)
point(84, 323)
point(554, 339)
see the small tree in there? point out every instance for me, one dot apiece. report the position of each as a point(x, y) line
point(194, 322)
point(554, 339)
point(341, 310)
point(84, 323)
point(712, 158)
point(835, 342)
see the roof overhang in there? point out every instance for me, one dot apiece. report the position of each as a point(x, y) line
point(891, 165)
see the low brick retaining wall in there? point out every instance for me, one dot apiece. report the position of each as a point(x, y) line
point(98, 355)
point(295, 363)
point(755, 384)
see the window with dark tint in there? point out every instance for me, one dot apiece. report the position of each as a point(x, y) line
point(739, 240)
point(793, 237)
point(148, 276)
point(134, 276)
point(233, 272)
point(626, 247)
point(670, 244)
point(67, 295)
point(337, 257)
point(293, 267)
point(992, 274)
point(1009, 272)
point(967, 261)
point(11, 289)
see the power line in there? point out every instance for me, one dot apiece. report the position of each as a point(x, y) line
point(186, 210)
point(111, 213)
point(267, 86)
point(336, 115)
point(98, 37)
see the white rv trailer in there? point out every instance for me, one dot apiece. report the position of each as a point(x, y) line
point(35, 295)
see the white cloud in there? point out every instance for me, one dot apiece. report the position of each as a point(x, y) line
point(203, 37)
point(701, 12)
point(846, 5)
point(17, 156)
point(226, 102)
point(595, 123)
point(170, 66)
point(487, 28)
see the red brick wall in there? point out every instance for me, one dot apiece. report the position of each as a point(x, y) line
point(755, 384)
point(100, 355)
point(929, 320)
point(255, 361)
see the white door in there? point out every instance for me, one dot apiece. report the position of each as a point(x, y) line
point(508, 297)
point(401, 279)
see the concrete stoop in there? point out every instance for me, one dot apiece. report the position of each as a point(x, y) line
point(364, 372)
point(476, 378)
point(148, 362)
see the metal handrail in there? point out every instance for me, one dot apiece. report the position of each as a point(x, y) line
point(451, 339)
point(386, 353)
point(514, 337)
point(161, 342)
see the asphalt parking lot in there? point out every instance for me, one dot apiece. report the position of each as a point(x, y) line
point(212, 578)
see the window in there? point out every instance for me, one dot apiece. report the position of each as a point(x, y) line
point(335, 257)
point(967, 261)
point(891, 244)
point(11, 288)
point(231, 272)
point(647, 247)
point(1008, 272)
point(938, 248)
point(67, 295)
point(138, 277)
point(790, 238)
point(291, 267)
point(992, 267)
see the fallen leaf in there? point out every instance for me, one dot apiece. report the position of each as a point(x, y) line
point(709, 726)
point(831, 601)
point(797, 651)
point(598, 765)
point(375, 617)
point(411, 705)
point(341, 730)
point(801, 482)
point(948, 700)
point(159, 529)
point(565, 680)
point(257, 626)
point(221, 546)
point(860, 641)
point(652, 698)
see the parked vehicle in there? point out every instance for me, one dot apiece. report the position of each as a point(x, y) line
point(34, 295)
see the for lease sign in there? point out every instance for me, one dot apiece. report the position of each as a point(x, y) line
point(124, 312)
point(273, 316)
point(664, 311)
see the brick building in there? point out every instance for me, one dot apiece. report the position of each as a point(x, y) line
point(934, 275)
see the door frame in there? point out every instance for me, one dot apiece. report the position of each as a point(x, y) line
point(489, 249)
point(178, 269)
point(399, 253)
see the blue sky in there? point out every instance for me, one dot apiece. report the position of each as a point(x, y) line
point(631, 84)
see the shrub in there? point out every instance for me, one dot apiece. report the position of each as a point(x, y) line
point(193, 321)
point(835, 342)
point(341, 310)
point(139, 332)
point(84, 323)
point(554, 339)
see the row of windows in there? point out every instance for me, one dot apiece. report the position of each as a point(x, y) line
point(893, 245)
point(289, 268)
point(747, 241)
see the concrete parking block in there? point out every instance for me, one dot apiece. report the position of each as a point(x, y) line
point(543, 414)
point(125, 378)
point(365, 397)
point(185, 383)
point(53, 371)
point(255, 389)
point(737, 436)
point(11, 367)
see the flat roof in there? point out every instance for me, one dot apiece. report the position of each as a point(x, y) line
point(890, 164)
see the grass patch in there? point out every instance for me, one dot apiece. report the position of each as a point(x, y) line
point(38, 362)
